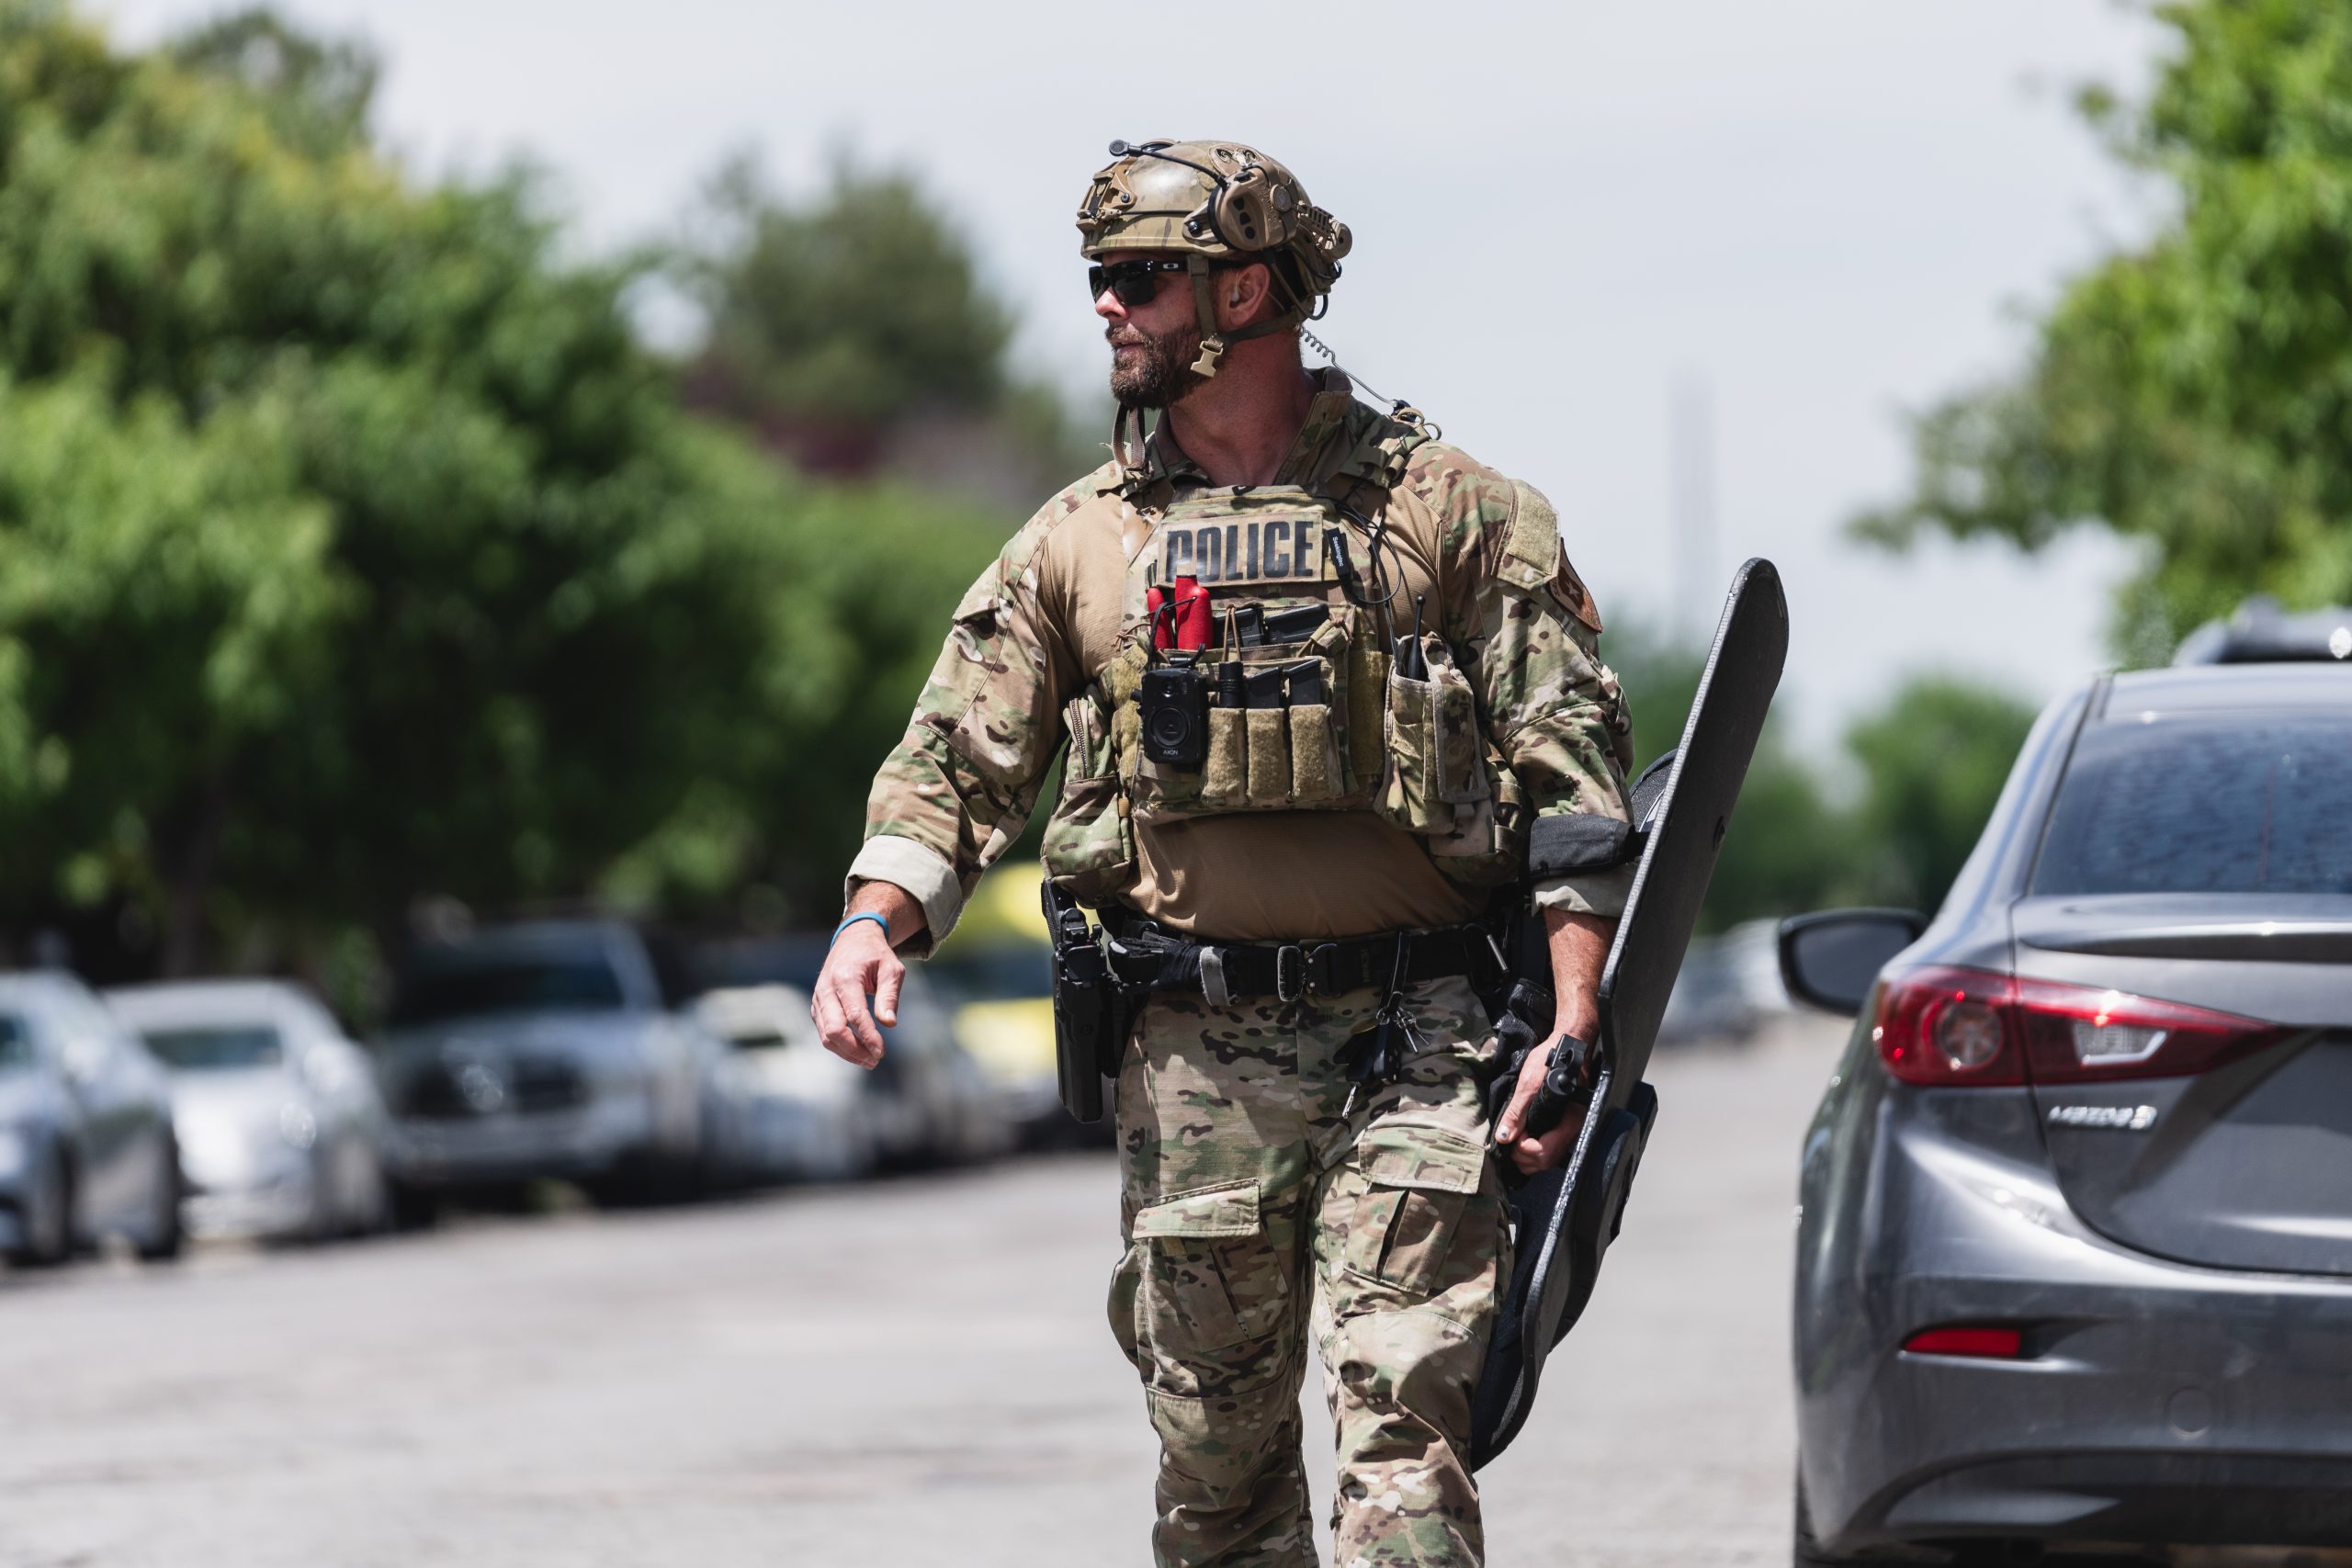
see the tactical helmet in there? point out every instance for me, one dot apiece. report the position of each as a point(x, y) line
point(1217, 202)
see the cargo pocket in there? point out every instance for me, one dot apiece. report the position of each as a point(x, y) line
point(1209, 1280)
point(1420, 1182)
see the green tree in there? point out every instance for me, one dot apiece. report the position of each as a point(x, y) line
point(2194, 393)
point(861, 308)
point(856, 333)
point(352, 547)
point(1933, 759)
point(1786, 848)
point(1930, 761)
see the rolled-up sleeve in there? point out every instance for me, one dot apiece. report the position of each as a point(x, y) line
point(956, 790)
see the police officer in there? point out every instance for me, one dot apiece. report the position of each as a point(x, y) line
point(1328, 690)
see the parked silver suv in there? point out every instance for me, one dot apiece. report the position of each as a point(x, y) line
point(544, 1050)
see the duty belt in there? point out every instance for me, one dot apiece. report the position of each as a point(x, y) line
point(1151, 957)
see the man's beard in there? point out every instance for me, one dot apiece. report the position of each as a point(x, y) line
point(1157, 372)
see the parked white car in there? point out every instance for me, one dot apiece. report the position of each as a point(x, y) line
point(930, 1102)
point(800, 1113)
point(281, 1128)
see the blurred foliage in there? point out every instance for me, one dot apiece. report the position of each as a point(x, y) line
point(1934, 758)
point(1785, 850)
point(856, 333)
point(864, 307)
point(352, 547)
point(355, 551)
point(1930, 761)
point(2196, 394)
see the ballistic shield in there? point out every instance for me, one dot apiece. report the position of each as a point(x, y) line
point(1563, 1219)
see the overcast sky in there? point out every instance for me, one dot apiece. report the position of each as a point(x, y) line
point(1823, 212)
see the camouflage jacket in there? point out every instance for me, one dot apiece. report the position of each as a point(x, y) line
point(1045, 618)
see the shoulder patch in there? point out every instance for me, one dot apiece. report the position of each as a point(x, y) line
point(1531, 553)
point(1535, 560)
point(1574, 596)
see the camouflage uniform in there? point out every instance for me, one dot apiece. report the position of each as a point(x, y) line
point(1244, 1189)
point(1243, 1186)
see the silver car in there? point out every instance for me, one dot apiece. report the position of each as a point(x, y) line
point(546, 1050)
point(281, 1128)
point(87, 1149)
point(928, 1101)
point(2075, 1253)
point(794, 1110)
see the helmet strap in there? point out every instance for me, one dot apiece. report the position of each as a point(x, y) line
point(1214, 342)
point(1131, 459)
point(1211, 340)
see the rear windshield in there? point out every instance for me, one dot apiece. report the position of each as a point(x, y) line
point(218, 1049)
point(460, 989)
point(16, 1045)
point(2254, 803)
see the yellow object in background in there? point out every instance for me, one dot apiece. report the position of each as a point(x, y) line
point(1012, 1040)
point(995, 970)
point(1004, 911)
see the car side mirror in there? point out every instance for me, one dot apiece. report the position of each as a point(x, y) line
point(1832, 958)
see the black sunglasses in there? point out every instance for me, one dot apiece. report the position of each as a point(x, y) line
point(1134, 282)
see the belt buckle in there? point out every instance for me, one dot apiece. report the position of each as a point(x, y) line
point(1290, 972)
point(1323, 977)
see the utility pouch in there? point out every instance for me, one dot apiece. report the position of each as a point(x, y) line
point(1090, 845)
point(1437, 755)
point(1366, 705)
point(1269, 736)
point(1486, 846)
point(1461, 744)
point(1410, 725)
point(1276, 727)
point(1313, 752)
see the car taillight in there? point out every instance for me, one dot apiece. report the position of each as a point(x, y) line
point(1995, 1341)
point(1952, 1026)
point(1947, 1026)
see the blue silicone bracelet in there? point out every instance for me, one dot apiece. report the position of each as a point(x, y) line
point(866, 914)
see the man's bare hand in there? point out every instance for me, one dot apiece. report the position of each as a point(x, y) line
point(1580, 944)
point(1533, 1154)
point(861, 965)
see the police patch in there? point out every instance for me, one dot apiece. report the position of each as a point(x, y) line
point(1248, 550)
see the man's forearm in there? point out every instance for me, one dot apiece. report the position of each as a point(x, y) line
point(1579, 946)
point(896, 905)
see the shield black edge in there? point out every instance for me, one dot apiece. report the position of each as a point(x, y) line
point(1727, 716)
point(1549, 1291)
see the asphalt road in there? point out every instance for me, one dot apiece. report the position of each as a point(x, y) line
point(912, 1371)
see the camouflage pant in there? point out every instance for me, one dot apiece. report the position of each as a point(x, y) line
point(1242, 1188)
